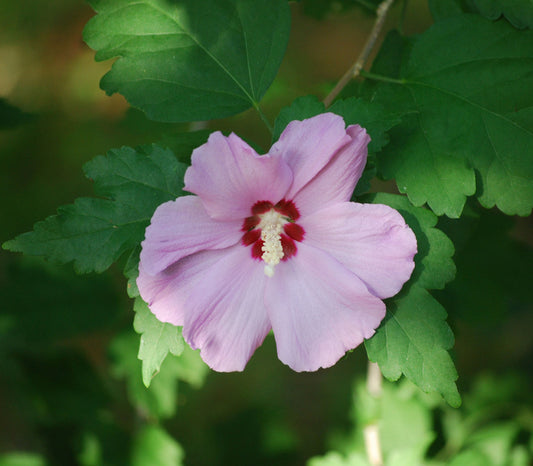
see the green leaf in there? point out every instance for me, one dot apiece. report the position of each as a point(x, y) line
point(154, 446)
point(518, 12)
point(371, 116)
point(434, 265)
point(301, 108)
point(391, 408)
point(95, 232)
point(442, 9)
point(158, 401)
point(157, 340)
point(412, 340)
point(183, 144)
point(465, 115)
point(414, 337)
point(190, 60)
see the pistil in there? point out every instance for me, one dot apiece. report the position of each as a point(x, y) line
point(271, 227)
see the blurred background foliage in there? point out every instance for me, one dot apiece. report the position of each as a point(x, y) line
point(70, 384)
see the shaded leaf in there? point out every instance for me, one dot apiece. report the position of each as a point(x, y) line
point(37, 305)
point(371, 116)
point(190, 60)
point(301, 108)
point(93, 232)
point(492, 280)
point(518, 12)
point(442, 9)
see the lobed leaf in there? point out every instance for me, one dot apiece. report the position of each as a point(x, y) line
point(157, 340)
point(159, 400)
point(434, 266)
point(412, 340)
point(300, 109)
point(93, 233)
point(518, 12)
point(466, 118)
point(189, 60)
point(414, 337)
point(371, 116)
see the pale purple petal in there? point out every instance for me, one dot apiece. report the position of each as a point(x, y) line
point(166, 292)
point(318, 310)
point(336, 181)
point(372, 240)
point(229, 177)
point(307, 146)
point(218, 298)
point(226, 316)
point(180, 228)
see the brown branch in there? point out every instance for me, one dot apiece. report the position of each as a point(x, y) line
point(356, 68)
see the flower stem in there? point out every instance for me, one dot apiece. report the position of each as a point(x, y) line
point(356, 68)
point(371, 431)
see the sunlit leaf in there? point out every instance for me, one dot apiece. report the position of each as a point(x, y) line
point(413, 340)
point(157, 340)
point(159, 400)
point(190, 60)
point(414, 337)
point(154, 446)
point(467, 124)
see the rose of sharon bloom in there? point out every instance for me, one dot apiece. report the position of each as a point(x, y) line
point(273, 242)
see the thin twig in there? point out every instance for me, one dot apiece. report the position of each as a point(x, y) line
point(356, 68)
point(371, 431)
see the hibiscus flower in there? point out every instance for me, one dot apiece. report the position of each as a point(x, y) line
point(272, 242)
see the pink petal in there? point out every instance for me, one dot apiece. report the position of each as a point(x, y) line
point(371, 240)
point(307, 146)
point(180, 228)
point(336, 181)
point(229, 177)
point(218, 298)
point(318, 310)
point(166, 292)
point(226, 316)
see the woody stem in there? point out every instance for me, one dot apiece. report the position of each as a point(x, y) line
point(356, 68)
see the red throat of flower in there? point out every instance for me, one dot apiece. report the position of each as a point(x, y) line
point(272, 232)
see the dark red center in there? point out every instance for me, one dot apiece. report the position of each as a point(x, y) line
point(292, 232)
